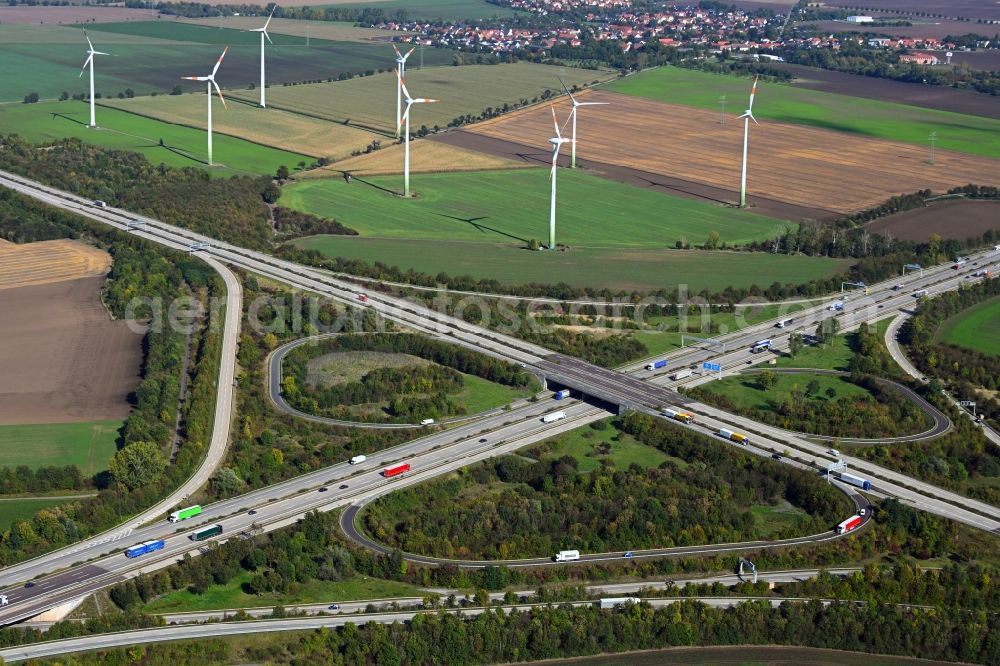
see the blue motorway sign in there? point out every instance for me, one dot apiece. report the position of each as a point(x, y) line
point(714, 367)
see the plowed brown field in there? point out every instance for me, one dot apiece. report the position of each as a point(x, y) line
point(799, 165)
point(49, 261)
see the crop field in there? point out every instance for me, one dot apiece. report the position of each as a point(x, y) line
point(49, 261)
point(316, 30)
point(974, 9)
point(744, 655)
point(371, 101)
point(34, 15)
point(959, 219)
point(182, 146)
point(784, 103)
point(270, 127)
point(977, 328)
point(789, 163)
point(425, 157)
point(63, 358)
point(616, 269)
point(426, 9)
point(151, 56)
point(23, 508)
point(593, 212)
point(88, 445)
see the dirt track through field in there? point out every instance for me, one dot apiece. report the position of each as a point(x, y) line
point(799, 165)
point(63, 358)
point(49, 261)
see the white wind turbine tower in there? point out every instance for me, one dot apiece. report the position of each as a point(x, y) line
point(263, 34)
point(410, 101)
point(557, 141)
point(210, 81)
point(576, 105)
point(90, 62)
point(400, 75)
point(747, 117)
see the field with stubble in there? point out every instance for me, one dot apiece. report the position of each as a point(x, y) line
point(800, 165)
point(425, 157)
point(49, 261)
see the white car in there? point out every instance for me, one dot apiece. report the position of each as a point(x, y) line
point(3, 600)
point(834, 452)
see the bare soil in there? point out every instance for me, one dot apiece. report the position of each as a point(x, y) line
point(916, 94)
point(49, 261)
point(794, 164)
point(28, 15)
point(974, 9)
point(956, 219)
point(63, 358)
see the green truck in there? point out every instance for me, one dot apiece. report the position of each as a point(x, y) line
point(206, 533)
point(184, 514)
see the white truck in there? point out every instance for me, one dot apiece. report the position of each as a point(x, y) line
point(553, 417)
point(427, 422)
point(357, 460)
point(567, 556)
point(617, 602)
point(680, 375)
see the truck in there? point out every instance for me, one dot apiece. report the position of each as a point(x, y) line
point(184, 514)
point(99, 204)
point(680, 375)
point(426, 422)
point(920, 293)
point(836, 307)
point(783, 323)
point(733, 436)
point(760, 345)
point(676, 415)
point(567, 556)
point(357, 460)
point(561, 395)
point(617, 602)
point(864, 484)
point(396, 470)
point(850, 524)
point(553, 417)
point(206, 533)
point(656, 365)
point(145, 547)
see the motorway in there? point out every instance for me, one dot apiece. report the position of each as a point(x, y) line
point(284, 503)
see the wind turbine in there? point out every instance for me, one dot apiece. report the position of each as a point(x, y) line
point(263, 34)
point(747, 117)
point(576, 105)
point(557, 141)
point(400, 75)
point(90, 61)
point(210, 81)
point(406, 118)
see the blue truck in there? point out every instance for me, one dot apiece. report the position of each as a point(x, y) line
point(562, 394)
point(145, 547)
point(662, 363)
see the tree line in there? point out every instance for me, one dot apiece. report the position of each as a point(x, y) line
point(536, 508)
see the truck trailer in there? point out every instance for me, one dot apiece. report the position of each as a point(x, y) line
point(851, 523)
point(184, 514)
point(553, 417)
point(206, 533)
point(145, 547)
point(683, 417)
point(617, 602)
point(396, 470)
point(357, 460)
point(734, 436)
point(680, 375)
point(567, 556)
point(561, 395)
point(655, 365)
point(864, 484)
point(760, 345)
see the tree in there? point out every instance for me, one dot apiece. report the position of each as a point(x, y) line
point(812, 388)
point(138, 464)
point(282, 173)
point(176, 90)
point(31, 98)
point(766, 380)
point(795, 344)
point(713, 240)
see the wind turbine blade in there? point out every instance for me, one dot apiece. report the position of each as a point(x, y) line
point(424, 100)
point(89, 43)
point(566, 90)
point(219, 62)
point(99, 53)
point(406, 114)
point(268, 22)
point(195, 78)
point(753, 93)
point(399, 56)
point(85, 64)
point(555, 123)
point(569, 119)
point(412, 49)
point(268, 37)
point(402, 84)
point(219, 90)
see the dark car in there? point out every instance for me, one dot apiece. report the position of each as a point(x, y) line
point(323, 489)
point(776, 456)
point(29, 584)
point(252, 512)
point(333, 607)
point(343, 485)
point(482, 439)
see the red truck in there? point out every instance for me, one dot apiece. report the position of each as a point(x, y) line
point(851, 523)
point(396, 470)
point(363, 298)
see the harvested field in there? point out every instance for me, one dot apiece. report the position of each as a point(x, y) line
point(885, 90)
point(425, 157)
point(370, 101)
point(974, 9)
point(338, 32)
point(799, 165)
point(63, 359)
point(28, 15)
point(956, 219)
point(49, 261)
point(269, 127)
point(933, 28)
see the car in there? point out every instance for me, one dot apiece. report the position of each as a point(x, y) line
point(333, 607)
point(323, 489)
point(628, 554)
point(482, 439)
point(833, 452)
point(863, 512)
point(669, 582)
point(776, 456)
point(881, 306)
point(252, 512)
point(343, 485)
point(29, 584)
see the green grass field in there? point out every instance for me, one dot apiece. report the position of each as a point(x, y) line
point(231, 595)
point(977, 328)
point(24, 508)
point(590, 446)
point(150, 56)
point(183, 146)
point(480, 394)
point(478, 207)
point(87, 445)
point(743, 390)
point(772, 520)
point(842, 113)
point(836, 355)
point(370, 101)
